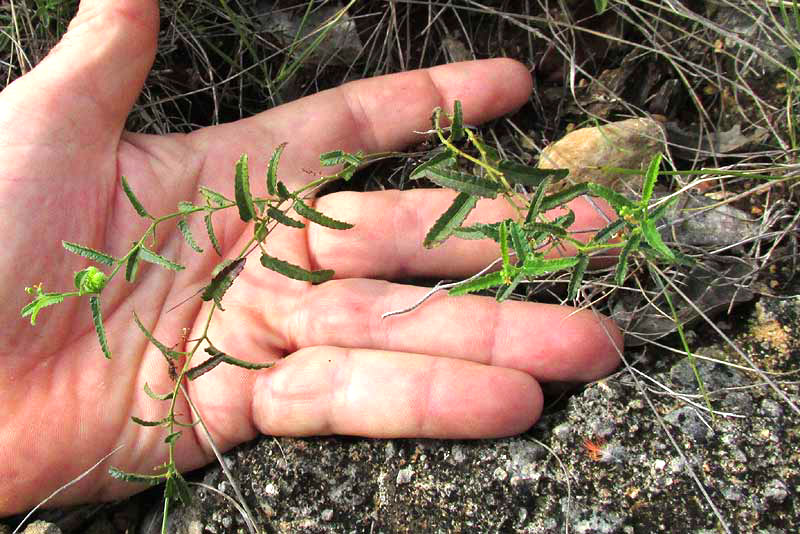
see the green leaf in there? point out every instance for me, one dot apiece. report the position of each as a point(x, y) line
point(519, 173)
point(536, 266)
point(304, 210)
point(244, 200)
point(650, 178)
point(536, 200)
point(182, 489)
point(187, 207)
point(215, 199)
point(492, 155)
point(443, 160)
point(172, 437)
point(283, 192)
point(211, 235)
point(135, 201)
point(132, 265)
point(149, 256)
point(222, 278)
point(653, 238)
point(218, 357)
point(504, 292)
point(90, 280)
point(457, 127)
point(166, 351)
point(548, 228)
point(507, 267)
point(617, 201)
point(450, 220)
point(329, 159)
point(86, 252)
point(183, 226)
point(272, 170)
point(136, 478)
point(458, 181)
point(157, 396)
point(198, 371)
point(608, 232)
point(477, 284)
point(519, 241)
point(577, 276)
point(479, 231)
point(294, 271)
point(41, 301)
point(622, 261)
point(562, 197)
point(659, 211)
point(144, 422)
point(97, 319)
point(282, 218)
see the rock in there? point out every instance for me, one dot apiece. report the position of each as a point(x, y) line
point(41, 527)
point(628, 144)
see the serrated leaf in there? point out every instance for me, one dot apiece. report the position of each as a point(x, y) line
point(198, 371)
point(518, 240)
point(547, 228)
point(97, 319)
point(284, 219)
point(218, 357)
point(294, 271)
point(244, 200)
point(577, 276)
point(443, 159)
point(33, 308)
point(183, 226)
point(459, 181)
point(157, 396)
point(504, 292)
point(132, 264)
point(659, 211)
point(650, 178)
point(166, 351)
point(519, 173)
point(144, 422)
point(562, 197)
point(211, 235)
point(304, 210)
point(608, 232)
point(149, 256)
point(86, 252)
point(187, 207)
point(222, 279)
point(457, 127)
point(653, 238)
point(272, 170)
point(536, 200)
point(182, 490)
point(617, 201)
point(283, 192)
point(481, 230)
point(477, 284)
point(504, 255)
point(150, 480)
point(468, 232)
point(621, 271)
point(329, 159)
point(450, 220)
point(537, 265)
point(134, 201)
point(214, 198)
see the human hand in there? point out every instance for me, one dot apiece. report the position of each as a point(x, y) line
point(463, 367)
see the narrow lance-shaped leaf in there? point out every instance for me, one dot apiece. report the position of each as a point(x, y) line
point(213, 198)
point(41, 301)
point(650, 178)
point(304, 210)
point(218, 357)
point(97, 319)
point(272, 170)
point(223, 276)
point(460, 181)
point(173, 437)
point(86, 252)
point(450, 220)
point(653, 238)
point(519, 241)
point(283, 191)
point(519, 173)
point(504, 292)
point(144, 422)
point(132, 265)
point(282, 218)
point(134, 201)
point(485, 281)
point(562, 197)
point(617, 201)
point(577, 276)
point(149, 256)
point(150, 480)
point(244, 200)
point(622, 261)
point(187, 207)
point(182, 489)
point(608, 232)
point(537, 266)
point(211, 235)
point(294, 271)
point(157, 396)
point(166, 351)
point(329, 159)
point(507, 267)
point(481, 230)
point(457, 127)
point(183, 226)
point(443, 160)
point(536, 200)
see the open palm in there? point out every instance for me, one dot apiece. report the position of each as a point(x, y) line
point(457, 367)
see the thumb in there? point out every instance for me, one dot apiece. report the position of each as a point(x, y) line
point(92, 77)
